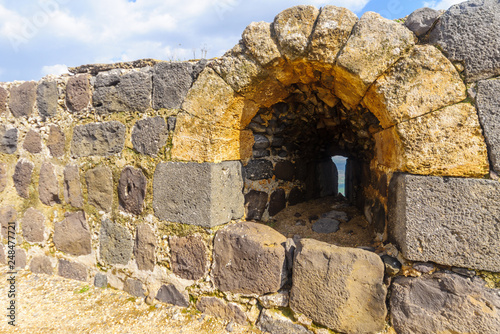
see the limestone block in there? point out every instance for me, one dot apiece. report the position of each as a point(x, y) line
point(8, 140)
point(72, 186)
point(188, 257)
point(468, 32)
point(272, 321)
point(374, 46)
point(115, 243)
point(72, 235)
point(78, 92)
point(48, 187)
point(341, 288)
point(101, 139)
point(100, 187)
point(4, 94)
point(3, 176)
point(144, 247)
point(203, 194)
point(72, 270)
point(56, 141)
point(22, 99)
point(171, 295)
point(444, 303)
point(451, 221)
point(47, 98)
point(259, 42)
point(249, 258)
point(132, 190)
point(422, 20)
point(171, 82)
point(488, 103)
point(417, 84)
point(218, 308)
point(22, 177)
point(33, 142)
point(149, 135)
point(41, 265)
point(33, 225)
point(116, 92)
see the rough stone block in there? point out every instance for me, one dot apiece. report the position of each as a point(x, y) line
point(255, 204)
point(170, 295)
point(188, 257)
point(171, 82)
point(205, 194)
point(3, 176)
point(56, 141)
point(149, 135)
point(115, 243)
point(22, 99)
point(72, 235)
point(116, 92)
point(134, 287)
point(78, 92)
point(47, 98)
point(284, 170)
point(72, 270)
point(341, 288)
point(451, 221)
point(33, 225)
point(100, 187)
point(33, 142)
point(144, 248)
point(8, 140)
point(48, 187)
point(132, 190)
point(3, 100)
point(20, 258)
point(259, 169)
point(444, 303)
point(7, 215)
point(22, 177)
point(422, 20)
point(101, 139)
point(277, 202)
point(41, 265)
point(72, 186)
point(467, 33)
point(259, 42)
point(101, 280)
point(271, 321)
point(488, 103)
point(249, 258)
point(3, 259)
point(218, 308)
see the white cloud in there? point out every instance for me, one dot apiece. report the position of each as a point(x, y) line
point(443, 4)
point(54, 69)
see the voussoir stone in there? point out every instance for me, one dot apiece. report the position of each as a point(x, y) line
point(115, 243)
point(101, 139)
point(341, 288)
point(78, 92)
point(144, 248)
point(171, 82)
point(100, 187)
point(443, 220)
point(149, 135)
point(22, 177)
point(33, 142)
point(444, 303)
point(22, 99)
point(41, 265)
point(3, 100)
point(47, 98)
point(48, 187)
point(33, 225)
point(117, 92)
point(249, 258)
point(8, 140)
point(189, 257)
point(72, 186)
point(422, 20)
point(468, 32)
point(218, 308)
point(72, 235)
point(72, 270)
point(3, 176)
point(203, 194)
point(488, 103)
point(56, 141)
point(259, 42)
point(375, 45)
point(132, 190)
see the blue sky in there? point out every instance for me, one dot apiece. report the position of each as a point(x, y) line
point(40, 37)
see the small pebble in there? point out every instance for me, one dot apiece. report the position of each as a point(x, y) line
point(423, 267)
point(392, 265)
point(464, 272)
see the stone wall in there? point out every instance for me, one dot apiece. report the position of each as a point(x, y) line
point(157, 177)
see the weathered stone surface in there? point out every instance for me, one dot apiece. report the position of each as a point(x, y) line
point(116, 92)
point(134, 287)
point(3, 176)
point(33, 225)
point(144, 248)
point(198, 194)
point(422, 82)
point(293, 27)
point(255, 204)
point(275, 300)
point(296, 196)
point(20, 258)
point(72, 186)
point(444, 303)
point(488, 103)
point(47, 96)
point(260, 142)
point(3, 100)
point(78, 92)
point(467, 33)
point(100, 187)
point(103, 139)
point(271, 321)
point(451, 221)
point(132, 190)
point(56, 141)
point(33, 142)
point(326, 225)
point(48, 187)
point(8, 140)
point(3, 259)
point(422, 20)
point(101, 280)
point(72, 270)
point(284, 170)
point(7, 215)
point(72, 235)
point(188, 257)
point(218, 308)
point(22, 99)
point(375, 45)
point(331, 32)
point(170, 295)
point(248, 258)
point(259, 169)
point(150, 135)
point(341, 288)
point(277, 201)
point(41, 265)
point(22, 177)
point(115, 243)
point(259, 42)
point(171, 82)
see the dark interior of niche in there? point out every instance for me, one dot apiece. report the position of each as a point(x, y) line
point(292, 165)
